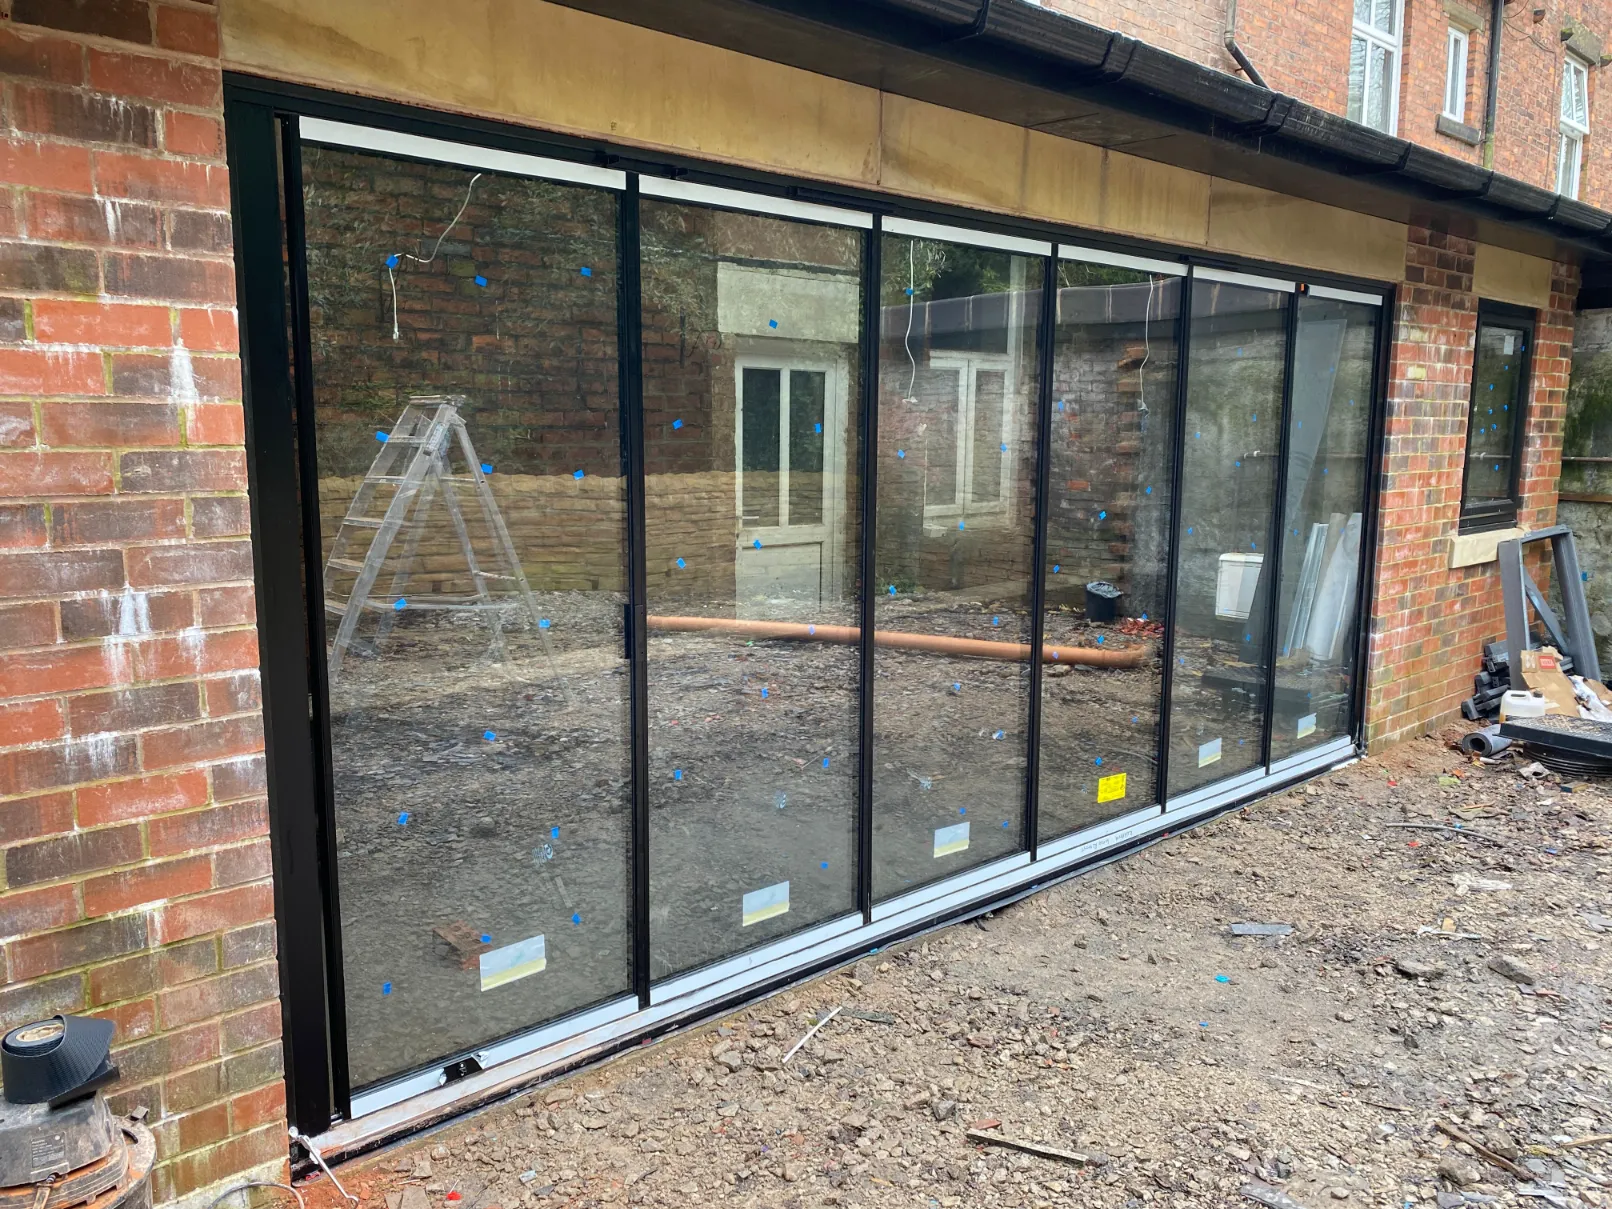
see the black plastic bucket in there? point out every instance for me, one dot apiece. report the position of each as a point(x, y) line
point(1102, 601)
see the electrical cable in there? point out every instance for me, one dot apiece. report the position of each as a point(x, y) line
point(1147, 353)
point(392, 259)
point(229, 1192)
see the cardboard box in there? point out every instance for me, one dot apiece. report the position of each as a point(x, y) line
point(1542, 670)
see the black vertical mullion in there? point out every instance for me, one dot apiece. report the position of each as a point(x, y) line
point(1366, 590)
point(1046, 330)
point(1273, 542)
point(274, 485)
point(296, 247)
point(867, 467)
point(1178, 454)
point(630, 352)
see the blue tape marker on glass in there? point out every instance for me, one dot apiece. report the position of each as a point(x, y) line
point(486, 468)
point(490, 736)
point(380, 436)
point(554, 833)
point(401, 604)
point(1103, 515)
point(825, 761)
point(676, 424)
point(386, 988)
point(1147, 491)
point(901, 453)
point(756, 543)
point(391, 261)
point(998, 734)
point(811, 629)
point(817, 428)
point(577, 474)
point(822, 864)
point(1144, 616)
point(959, 524)
point(1099, 759)
point(962, 810)
point(892, 589)
point(576, 919)
point(1219, 978)
point(764, 690)
point(1004, 446)
point(1239, 462)
point(1056, 568)
point(1189, 530)
point(1133, 717)
point(543, 623)
point(677, 774)
point(681, 564)
point(586, 271)
point(909, 291)
point(1004, 824)
point(957, 688)
point(403, 819)
point(481, 281)
point(1100, 638)
point(772, 323)
point(486, 939)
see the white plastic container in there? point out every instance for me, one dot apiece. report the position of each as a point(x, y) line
point(1522, 703)
point(1234, 587)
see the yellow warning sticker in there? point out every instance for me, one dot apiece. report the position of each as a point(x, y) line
point(1111, 789)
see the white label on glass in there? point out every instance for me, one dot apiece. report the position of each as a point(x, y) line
point(511, 962)
point(951, 839)
point(1306, 725)
point(765, 903)
point(1208, 753)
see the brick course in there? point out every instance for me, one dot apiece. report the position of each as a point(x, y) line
point(132, 817)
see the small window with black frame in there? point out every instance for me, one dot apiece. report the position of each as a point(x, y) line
point(1490, 491)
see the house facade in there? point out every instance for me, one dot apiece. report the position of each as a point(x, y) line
point(521, 530)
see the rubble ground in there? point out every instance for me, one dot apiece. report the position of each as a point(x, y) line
point(1434, 1030)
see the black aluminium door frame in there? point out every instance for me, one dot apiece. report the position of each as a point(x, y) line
point(260, 117)
point(1047, 328)
point(1273, 539)
point(1178, 453)
point(296, 790)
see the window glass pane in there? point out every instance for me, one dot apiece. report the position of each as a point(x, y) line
point(1575, 94)
point(471, 504)
point(951, 696)
point(1357, 79)
point(762, 406)
point(752, 734)
point(1114, 367)
point(936, 395)
point(807, 394)
point(1228, 494)
point(990, 400)
point(1363, 11)
point(1383, 17)
point(1455, 77)
point(1379, 63)
point(1328, 430)
point(1497, 383)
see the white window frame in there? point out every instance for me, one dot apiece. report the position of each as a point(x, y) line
point(1393, 43)
point(1456, 45)
point(833, 455)
point(1573, 132)
point(963, 506)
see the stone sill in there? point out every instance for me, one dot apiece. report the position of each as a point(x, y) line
point(1474, 549)
point(1459, 131)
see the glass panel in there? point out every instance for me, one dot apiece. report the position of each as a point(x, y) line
point(1363, 11)
point(1356, 111)
point(1382, 15)
point(761, 401)
point(990, 398)
point(1328, 430)
point(1378, 61)
point(1455, 76)
point(752, 734)
point(472, 510)
point(808, 391)
point(1497, 377)
point(1228, 493)
point(1114, 368)
point(953, 573)
point(937, 395)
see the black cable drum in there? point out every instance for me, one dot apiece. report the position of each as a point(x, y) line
point(50, 1059)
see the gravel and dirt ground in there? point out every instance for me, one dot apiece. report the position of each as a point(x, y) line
point(1434, 983)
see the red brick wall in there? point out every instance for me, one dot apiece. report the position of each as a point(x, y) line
point(132, 819)
point(1301, 47)
point(1430, 622)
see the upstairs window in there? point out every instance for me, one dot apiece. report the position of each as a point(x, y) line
point(1455, 75)
point(1374, 64)
point(1574, 125)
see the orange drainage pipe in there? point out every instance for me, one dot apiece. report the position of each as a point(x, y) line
point(980, 648)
